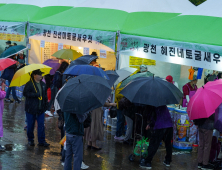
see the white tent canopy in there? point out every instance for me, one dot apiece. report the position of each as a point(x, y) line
point(175, 6)
point(208, 8)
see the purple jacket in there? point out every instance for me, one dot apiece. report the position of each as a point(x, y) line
point(163, 118)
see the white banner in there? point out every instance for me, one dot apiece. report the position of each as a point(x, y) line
point(12, 31)
point(82, 37)
point(152, 48)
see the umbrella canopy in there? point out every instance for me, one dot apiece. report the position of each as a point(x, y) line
point(12, 51)
point(54, 63)
point(126, 81)
point(67, 54)
point(83, 94)
point(152, 91)
point(6, 62)
point(22, 76)
point(205, 101)
point(124, 73)
point(84, 60)
point(113, 76)
point(86, 69)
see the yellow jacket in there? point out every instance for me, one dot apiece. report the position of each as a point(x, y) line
point(118, 96)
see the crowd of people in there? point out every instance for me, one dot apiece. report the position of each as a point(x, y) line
point(157, 122)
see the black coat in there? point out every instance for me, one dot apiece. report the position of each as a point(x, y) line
point(32, 100)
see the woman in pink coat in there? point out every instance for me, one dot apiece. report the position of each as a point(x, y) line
point(2, 96)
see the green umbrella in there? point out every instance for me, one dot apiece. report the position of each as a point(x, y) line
point(67, 54)
point(12, 51)
point(144, 74)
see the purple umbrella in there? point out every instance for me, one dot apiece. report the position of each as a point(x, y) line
point(54, 63)
point(218, 119)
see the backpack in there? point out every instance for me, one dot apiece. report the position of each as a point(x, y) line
point(88, 121)
point(199, 122)
point(113, 112)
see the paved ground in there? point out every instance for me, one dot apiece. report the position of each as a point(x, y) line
point(113, 156)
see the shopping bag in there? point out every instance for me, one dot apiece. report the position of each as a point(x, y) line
point(63, 141)
point(141, 148)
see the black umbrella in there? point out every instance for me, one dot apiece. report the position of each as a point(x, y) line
point(113, 76)
point(84, 60)
point(83, 94)
point(152, 91)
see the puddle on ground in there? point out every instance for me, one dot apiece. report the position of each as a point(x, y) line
point(14, 147)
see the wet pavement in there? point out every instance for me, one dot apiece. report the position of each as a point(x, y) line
point(113, 156)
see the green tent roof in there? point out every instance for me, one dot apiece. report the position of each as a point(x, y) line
point(17, 12)
point(24, 13)
point(104, 19)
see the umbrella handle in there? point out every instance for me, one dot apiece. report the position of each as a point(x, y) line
point(40, 98)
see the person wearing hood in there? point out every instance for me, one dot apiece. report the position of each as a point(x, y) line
point(170, 80)
point(143, 68)
point(189, 90)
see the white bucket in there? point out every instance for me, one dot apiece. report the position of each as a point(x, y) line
point(113, 130)
point(114, 122)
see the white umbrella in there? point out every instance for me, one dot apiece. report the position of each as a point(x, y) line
point(124, 73)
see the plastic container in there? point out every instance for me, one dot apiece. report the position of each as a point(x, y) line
point(105, 116)
point(184, 131)
point(114, 122)
point(195, 148)
point(109, 121)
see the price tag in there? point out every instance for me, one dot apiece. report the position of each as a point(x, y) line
point(60, 46)
point(85, 51)
point(102, 53)
point(42, 44)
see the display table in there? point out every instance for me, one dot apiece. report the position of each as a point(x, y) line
point(184, 130)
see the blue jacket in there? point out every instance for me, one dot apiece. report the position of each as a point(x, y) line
point(9, 72)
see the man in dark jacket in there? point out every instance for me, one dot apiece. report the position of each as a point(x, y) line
point(35, 106)
point(74, 139)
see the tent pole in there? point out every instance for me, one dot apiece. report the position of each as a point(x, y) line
point(27, 42)
point(117, 60)
point(118, 49)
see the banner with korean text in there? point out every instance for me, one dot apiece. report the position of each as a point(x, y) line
point(12, 31)
point(196, 55)
point(80, 37)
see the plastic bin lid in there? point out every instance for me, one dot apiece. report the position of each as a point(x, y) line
point(180, 111)
point(170, 108)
